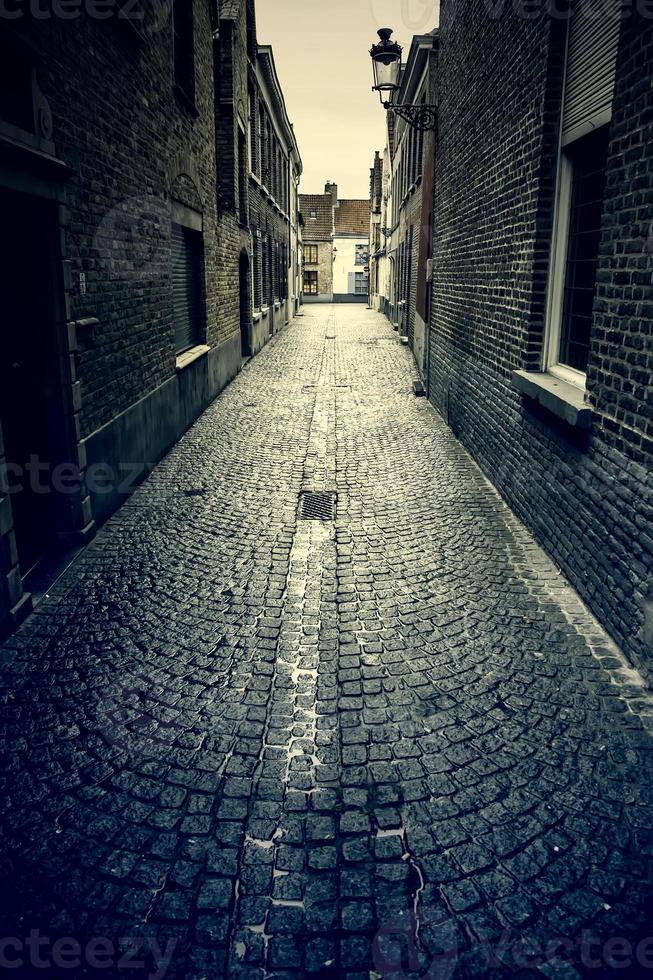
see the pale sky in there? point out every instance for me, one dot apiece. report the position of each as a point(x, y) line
point(321, 53)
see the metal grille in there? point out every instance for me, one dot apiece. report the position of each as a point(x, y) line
point(589, 159)
point(186, 286)
point(591, 67)
point(317, 506)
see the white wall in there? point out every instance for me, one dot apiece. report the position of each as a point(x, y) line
point(344, 261)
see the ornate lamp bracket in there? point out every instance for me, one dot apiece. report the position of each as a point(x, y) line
point(421, 117)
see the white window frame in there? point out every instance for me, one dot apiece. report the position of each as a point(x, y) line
point(559, 249)
point(557, 275)
point(558, 265)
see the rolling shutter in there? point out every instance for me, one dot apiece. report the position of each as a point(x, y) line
point(591, 65)
point(186, 283)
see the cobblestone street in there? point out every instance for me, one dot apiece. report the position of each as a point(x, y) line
point(390, 744)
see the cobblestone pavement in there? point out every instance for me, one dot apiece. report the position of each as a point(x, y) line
point(389, 745)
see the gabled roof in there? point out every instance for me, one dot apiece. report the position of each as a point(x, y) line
point(352, 217)
point(320, 227)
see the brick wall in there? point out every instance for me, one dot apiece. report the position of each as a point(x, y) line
point(621, 366)
point(587, 500)
point(269, 198)
point(118, 121)
point(134, 149)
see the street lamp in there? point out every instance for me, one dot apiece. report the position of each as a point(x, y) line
point(386, 62)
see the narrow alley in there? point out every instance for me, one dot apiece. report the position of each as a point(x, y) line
point(388, 742)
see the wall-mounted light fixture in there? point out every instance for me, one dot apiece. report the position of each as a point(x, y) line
point(386, 62)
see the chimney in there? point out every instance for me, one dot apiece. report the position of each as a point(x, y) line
point(332, 189)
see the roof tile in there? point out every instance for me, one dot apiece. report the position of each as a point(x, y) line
point(353, 217)
point(320, 227)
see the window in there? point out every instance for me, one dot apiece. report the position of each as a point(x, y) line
point(274, 265)
point(420, 148)
point(413, 156)
point(588, 160)
point(272, 186)
point(183, 47)
point(283, 272)
point(268, 154)
point(408, 271)
point(262, 171)
point(188, 298)
point(242, 177)
point(310, 282)
point(310, 254)
point(257, 270)
point(253, 135)
point(592, 42)
point(361, 282)
point(362, 255)
point(265, 277)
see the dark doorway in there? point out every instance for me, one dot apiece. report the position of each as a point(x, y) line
point(30, 370)
point(245, 307)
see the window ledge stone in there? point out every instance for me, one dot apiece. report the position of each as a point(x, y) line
point(562, 398)
point(190, 356)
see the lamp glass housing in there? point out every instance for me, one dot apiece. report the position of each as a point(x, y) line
point(386, 62)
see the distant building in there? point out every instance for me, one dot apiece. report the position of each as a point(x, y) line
point(351, 251)
point(317, 215)
point(335, 247)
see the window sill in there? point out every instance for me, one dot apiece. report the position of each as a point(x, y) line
point(190, 356)
point(561, 398)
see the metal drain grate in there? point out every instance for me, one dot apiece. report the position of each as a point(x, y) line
point(317, 506)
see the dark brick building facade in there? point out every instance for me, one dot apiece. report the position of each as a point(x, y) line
point(317, 215)
point(575, 467)
point(401, 284)
point(274, 171)
point(260, 167)
point(123, 185)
